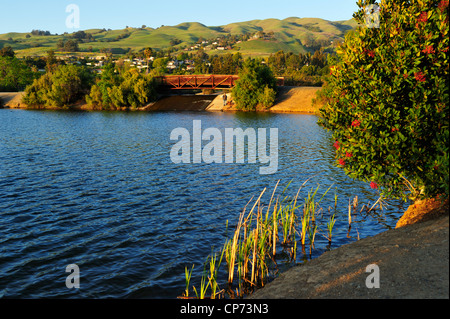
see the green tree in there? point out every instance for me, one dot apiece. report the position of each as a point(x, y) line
point(389, 99)
point(159, 66)
point(15, 75)
point(256, 86)
point(61, 88)
point(71, 45)
point(51, 61)
point(7, 52)
point(113, 91)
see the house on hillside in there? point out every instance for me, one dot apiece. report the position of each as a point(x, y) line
point(174, 64)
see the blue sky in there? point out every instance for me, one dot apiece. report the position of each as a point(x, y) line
point(26, 15)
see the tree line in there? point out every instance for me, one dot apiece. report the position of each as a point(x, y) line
point(297, 69)
point(121, 86)
point(15, 74)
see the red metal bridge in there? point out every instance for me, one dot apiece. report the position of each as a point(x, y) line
point(197, 82)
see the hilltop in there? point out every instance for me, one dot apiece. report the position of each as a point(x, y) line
point(256, 37)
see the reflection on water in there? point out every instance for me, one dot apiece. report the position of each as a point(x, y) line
point(99, 190)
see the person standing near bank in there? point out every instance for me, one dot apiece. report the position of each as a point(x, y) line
point(225, 98)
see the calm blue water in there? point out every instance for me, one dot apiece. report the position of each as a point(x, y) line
point(99, 190)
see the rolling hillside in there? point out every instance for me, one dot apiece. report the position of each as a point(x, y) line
point(291, 34)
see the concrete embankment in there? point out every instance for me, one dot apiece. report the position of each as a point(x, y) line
point(289, 100)
point(12, 100)
point(181, 103)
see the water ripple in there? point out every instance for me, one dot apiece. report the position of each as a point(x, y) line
point(99, 190)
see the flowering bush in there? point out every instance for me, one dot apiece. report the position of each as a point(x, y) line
point(388, 99)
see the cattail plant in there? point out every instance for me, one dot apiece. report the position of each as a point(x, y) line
point(214, 269)
point(204, 284)
point(312, 235)
point(330, 225)
point(250, 253)
point(188, 275)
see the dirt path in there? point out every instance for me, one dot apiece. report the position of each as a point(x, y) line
point(413, 262)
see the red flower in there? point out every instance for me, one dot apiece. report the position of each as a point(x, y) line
point(341, 162)
point(373, 185)
point(369, 53)
point(428, 50)
point(394, 129)
point(405, 75)
point(443, 5)
point(445, 50)
point(347, 154)
point(336, 145)
point(420, 76)
point(332, 69)
point(423, 17)
point(356, 123)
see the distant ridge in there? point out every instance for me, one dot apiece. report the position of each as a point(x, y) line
point(291, 34)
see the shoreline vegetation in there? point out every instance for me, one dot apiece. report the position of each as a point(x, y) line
point(271, 234)
point(417, 248)
point(290, 99)
point(266, 235)
point(120, 87)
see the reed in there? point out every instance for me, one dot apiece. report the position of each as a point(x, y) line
point(312, 231)
point(188, 275)
point(330, 225)
point(251, 252)
point(214, 270)
point(285, 224)
point(349, 212)
point(204, 284)
point(335, 199)
point(275, 229)
point(305, 225)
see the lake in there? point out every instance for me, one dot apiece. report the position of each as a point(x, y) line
point(99, 190)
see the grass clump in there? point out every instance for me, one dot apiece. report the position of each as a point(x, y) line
point(262, 236)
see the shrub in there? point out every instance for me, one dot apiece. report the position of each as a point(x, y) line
point(389, 98)
point(60, 88)
point(114, 91)
point(267, 97)
point(256, 86)
point(15, 75)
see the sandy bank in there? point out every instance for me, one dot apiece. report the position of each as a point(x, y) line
point(295, 99)
point(290, 99)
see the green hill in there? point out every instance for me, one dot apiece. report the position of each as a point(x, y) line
point(291, 34)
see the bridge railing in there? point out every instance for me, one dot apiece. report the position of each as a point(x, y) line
point(201, 81)
point(198, 81)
